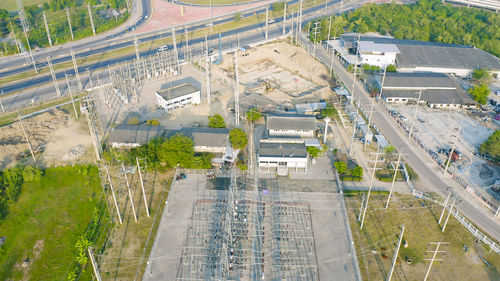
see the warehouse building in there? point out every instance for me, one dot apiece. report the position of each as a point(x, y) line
point(282, 157)
point(128, 136)
point(418, 56)
point(438, 90)
point(291, 125)
point(178, 96)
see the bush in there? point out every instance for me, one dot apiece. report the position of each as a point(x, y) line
point(253, 115)
point(313, 151)
point(341, 167)
point(357, 172)
point(238, 138)
point(391, 68)
point(492, 145)
point(480, 93)
point(216, 121)
point(481, 74)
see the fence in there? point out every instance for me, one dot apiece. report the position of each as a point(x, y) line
point(464, 221)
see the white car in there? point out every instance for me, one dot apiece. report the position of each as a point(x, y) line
point(163, 49)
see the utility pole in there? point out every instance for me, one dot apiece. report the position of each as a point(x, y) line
point(211, 17)
point(454, 142)
point(187, 42)
point(207, 71)
point(315, 35)
point(362, 207)
point(396, 253)
point(47, 28)
point(327, 119)
point(1, 104)
point(414, 115)
point(26, 136)
point(354, 121)
point(94, 264)
point(300, 16)
point(236, 90)
point(71, 95)
point(69, 23)
point(326, 6)
point(284, 19)
point(75, 67)
point(175, 49)
point(54, 79)
point(355, 69)
point(129, 192)
point(435, 252)
point(15, 38)
point(330, 28)
point(24, 23)
point(369, 120)
point(393, 180)
point(267, 21)
point(369, 191)
point(445, 204)
point(449, 213)
point(92, 19)
point(114, 196)
point(142, 186)
point(136, 45)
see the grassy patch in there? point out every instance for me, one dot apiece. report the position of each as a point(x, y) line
point(10, 5)
point(46, 222)
point(376, 242)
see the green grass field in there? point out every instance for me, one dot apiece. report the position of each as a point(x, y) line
point(375, 243)
point(10, 5)
point(46, 221)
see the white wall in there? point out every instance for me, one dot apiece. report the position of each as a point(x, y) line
point(277, 133)
point(378, 60)
point(193, 98)
point(272, 162)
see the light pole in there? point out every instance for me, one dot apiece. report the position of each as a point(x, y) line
point(327, 119)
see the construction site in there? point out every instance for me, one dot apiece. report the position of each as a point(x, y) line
point(232, 227)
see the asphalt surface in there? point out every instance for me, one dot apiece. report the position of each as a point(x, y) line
point(428, 171)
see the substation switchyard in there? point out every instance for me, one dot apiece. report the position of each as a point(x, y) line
point(238, 234)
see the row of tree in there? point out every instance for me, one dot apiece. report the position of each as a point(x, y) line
point(58, 22)
point(425, 20)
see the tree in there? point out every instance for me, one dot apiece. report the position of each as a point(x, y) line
point(313, 151)
point(341, 167)
point(216, 121)
point(480, 93)
point(491, 145)
point(253, 114)
point(481, 74)
point(391, 68)
point(357, 172)
point(238, 138)
point(177, 149)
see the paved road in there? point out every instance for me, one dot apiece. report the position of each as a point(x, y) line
point(429, 173)
point(93, 46)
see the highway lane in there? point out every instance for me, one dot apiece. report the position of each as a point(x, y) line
point(46, 92)
point(429, 173)
point(89, 48)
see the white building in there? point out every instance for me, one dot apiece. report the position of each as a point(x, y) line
point(378, 54)
point(288, 125)
point(282, 157)
point(178, 96)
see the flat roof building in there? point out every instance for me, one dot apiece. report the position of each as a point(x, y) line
point(280, 157)
point(438, 90)
point(378, 54)
point(214, 140)
point(287, 125)
point(420, 56)
point(178, 96)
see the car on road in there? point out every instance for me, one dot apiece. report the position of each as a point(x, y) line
point(271, 21)
point(163, 49)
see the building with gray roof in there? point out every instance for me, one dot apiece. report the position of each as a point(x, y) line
point(423, 56)
point(178, 96)
point(215, 140)
point(128, 136)
point(438, 90)
point(286, 125)
point(280, 157)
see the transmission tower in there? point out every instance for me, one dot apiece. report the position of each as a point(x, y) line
point(236, 90)
point(54, 79)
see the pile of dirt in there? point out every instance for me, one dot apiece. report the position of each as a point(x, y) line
point(39, 128)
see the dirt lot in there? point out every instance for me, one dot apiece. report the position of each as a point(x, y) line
point(55, 136)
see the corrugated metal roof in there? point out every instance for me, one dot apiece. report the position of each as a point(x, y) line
point(177, 91)
point(135, 134)
point(209, 137)
point(291, 122)
point(289, 150)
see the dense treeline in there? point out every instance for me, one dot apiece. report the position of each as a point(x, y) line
point(164, 153)
point(11, 181)
point(58, 22)
point(426, 20)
